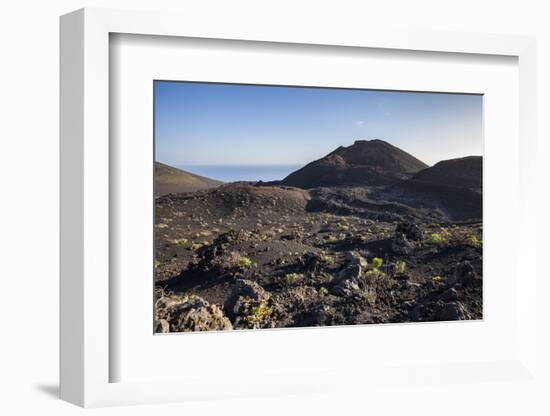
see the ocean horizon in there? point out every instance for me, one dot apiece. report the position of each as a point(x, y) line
point(235, 173)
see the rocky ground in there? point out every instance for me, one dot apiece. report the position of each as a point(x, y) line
point(243, 256)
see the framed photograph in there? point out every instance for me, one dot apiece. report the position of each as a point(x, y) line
point(291, 209)
point(268, 214)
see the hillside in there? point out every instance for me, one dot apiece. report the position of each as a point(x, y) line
point(464, 172)
point(375, 237)
point(366, 162)
point(453, 186)
point(170, 180)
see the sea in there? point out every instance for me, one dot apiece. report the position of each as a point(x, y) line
point(235, 173)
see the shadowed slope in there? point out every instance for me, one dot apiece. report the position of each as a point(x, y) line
point(454, 186)
point(464, 172)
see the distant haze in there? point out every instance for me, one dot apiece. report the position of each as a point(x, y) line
point(232, 173)
point(229, 128)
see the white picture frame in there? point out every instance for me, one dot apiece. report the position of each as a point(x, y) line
point(86, 265)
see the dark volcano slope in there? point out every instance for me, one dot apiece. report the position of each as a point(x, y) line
point(365, 202)
point(170, 180)
point(464, 172)
point(454, 186)
point(366, 162)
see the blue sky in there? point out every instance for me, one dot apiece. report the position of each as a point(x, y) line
point(228, 124)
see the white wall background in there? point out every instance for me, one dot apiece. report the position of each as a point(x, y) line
point(29, 208)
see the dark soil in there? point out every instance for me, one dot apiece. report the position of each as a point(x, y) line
point(244, 256)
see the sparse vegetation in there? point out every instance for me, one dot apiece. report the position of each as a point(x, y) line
point(257, 314)
point(180, 241)
point(376, 264)
point(400, 267)
point(327, 260)
point(293, 277)
point(245, 262)
point(375, 272)
point(441, 238)
point(472, 240)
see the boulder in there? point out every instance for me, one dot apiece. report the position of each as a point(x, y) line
point(349, 273)
point(189, 313)
point(162, 326)
point(452, 311)
point(464, 274)
point(401, 246)
point(248, 305)
point(450, 295)
point(410, 230)
point(353, 258)
point(346, 288)
point(219, 258)
point(312, 262)
point(417, 312)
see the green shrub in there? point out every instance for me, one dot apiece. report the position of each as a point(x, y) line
point(472, 240)
point(255, 315)
point(293, 277)
point(377, 262)
point(400, 267)
point(441, 238)
point(375, 271)
point(245, 262)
